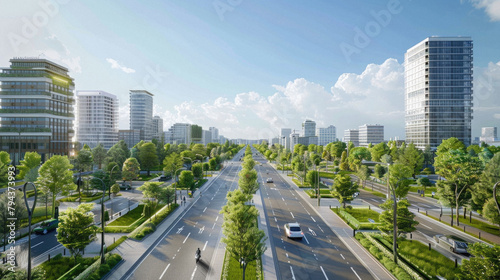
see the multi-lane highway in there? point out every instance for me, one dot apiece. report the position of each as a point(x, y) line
point(320, 254)
point(200, 226)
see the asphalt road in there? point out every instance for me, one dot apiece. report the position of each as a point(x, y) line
point(320, 254)
point(199, 227)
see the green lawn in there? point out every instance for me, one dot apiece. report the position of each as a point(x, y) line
point(60, 265)
point(329, 175)
point(235, 272)
point(325, 193)
point(376, 193)
point(428, 190)
point(363, 214)
point(85, 198)
point(129, 218)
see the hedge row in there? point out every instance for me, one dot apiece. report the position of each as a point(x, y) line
point(149, 226)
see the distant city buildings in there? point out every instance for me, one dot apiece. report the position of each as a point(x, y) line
point(352, 135)
point(326, 135)
point(215, 134)
point(157, 128)
point(36, 108)
point(284, 138)
point(141, 113)
point(370, 134)
point(130, 136)
point(438, 91)
point(489, 136)
point(96, 118)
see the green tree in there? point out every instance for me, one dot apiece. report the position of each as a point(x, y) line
point(451, 143)
point(197, 169)
point(405, 219)
point(76, 228)
point(84, 160)
point(130, 169)
point(118, 153)
point(343, 188)
point(4, 157)
point(337, 149)
point(490, 211)
point(199, 149)
point(4, 175)
point(243, 238)
point(482, 191)
point(248, 181)
point(115, 189)
point(248, 163)
point(312, 178)
point(461, 171)
point(153, 191)
point(186, 180)
point(148, 157)
point(379, 150)
point(30, 161)
point(172, 162)
point(379, 171)
point(424, 182)
point(32, 175)
point(99, 155)
point(484, 263)
point(357, 155)
point(428, 155)
point(399, 173)
point(344, 165)
point(56, 177)
point(213, 164)
point(413, 158)
point(363, 174)
point(11, 206)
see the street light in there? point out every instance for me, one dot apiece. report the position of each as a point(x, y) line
point(30, 213)
point(102, 218)
point(244, 264)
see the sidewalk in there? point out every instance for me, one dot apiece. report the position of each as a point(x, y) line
point(344, 233)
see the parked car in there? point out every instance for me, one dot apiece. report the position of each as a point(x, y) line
point(269, 180)
point(456, 244)
point(292, 230)
point(125, 186)
point(46, 226)
point(164, 178)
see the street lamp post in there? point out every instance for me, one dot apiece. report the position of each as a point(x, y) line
point(111, 180)
point(30, 213)
point(102, 218)
point(244, 264)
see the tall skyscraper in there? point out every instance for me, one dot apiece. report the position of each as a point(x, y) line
point(308, 128)
point(215, 134)
point(352, 135)
point(285, 138)
point(36, 108)
point(157, 128)
point(369, 133)
point(180, 133)
point(326, 135)
point(488, 134)
point(96, 118)
point(141, 113)
point(438, 91)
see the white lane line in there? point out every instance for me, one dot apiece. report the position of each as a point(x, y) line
point(283, 199)
point(194, 271)
point(306, 239)
point(321, 229)
point(313, 219)
point(204, 209)
point(206, 242)
point(286, 255)
point(201, 230)
point(426, 226)
point(355, 273)
point(424, 205)
point(293, 275)
point(276, 220)
point(273, 212)
point(216, 218)
point(292, 215)
point(164, 271)
point(36, 245)
point(326, 277)
point(342, 256)
point(374, 199)
point(278, 228)
point(186, 238)
point(213, 226)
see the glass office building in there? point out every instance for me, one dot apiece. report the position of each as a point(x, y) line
point(438, 91)
point(36, 108)
point(141, 113)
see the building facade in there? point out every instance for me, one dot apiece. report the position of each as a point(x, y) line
point(130, 136)
point(157, 128)
point(285, 138)
point(141, 113)
point(438, 91)
point(180, 133)
point(36, 108)
point(308, 128)
point(215, 134)
point(370, 134)
point(96, 118)
point(488, 134)
point(326, 135)
point(352, 135)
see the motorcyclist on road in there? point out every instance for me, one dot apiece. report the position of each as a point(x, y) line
point(198, 252)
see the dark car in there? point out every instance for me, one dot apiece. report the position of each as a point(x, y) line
point(46, 226)
point(164, 178)
point(125, 186)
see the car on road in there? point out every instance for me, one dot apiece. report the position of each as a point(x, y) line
point(125, 186)
point(164, 178)
point(46, 226)
point(455, 244)
point(269, 180)
point(292, 230)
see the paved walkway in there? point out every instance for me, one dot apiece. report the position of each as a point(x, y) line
point(343, 231)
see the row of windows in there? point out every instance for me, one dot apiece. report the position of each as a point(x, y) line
point(450, 89)
point(450, 43)
point(450, 84)
point(451, 50)
point(453, 70)
point(450, 57)
point(450, 63)
point(450, 76)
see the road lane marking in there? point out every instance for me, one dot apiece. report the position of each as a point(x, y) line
point(306, 239)
point(326, 277)
point(164, 271)
point(216, 218)
point(194, 271)
point(36, 245)
point(206, 242)
point(292, 215)
point(276, 220)
point(273, 212)
point(321, 229)
point(286, 255)
point(180, 229)
point(293, 275)
point(355, 273)
point(278, 226)
point(313, 219)
point(201, 230)
point(186, 238)
point(204, 209)
point(374, 199)
point(283, 199)
point(342, 256)
point(312, 232)
point(426, 226)
point(213, 226)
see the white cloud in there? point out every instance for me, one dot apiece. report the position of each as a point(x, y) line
point(59, 53)
point(116, 65)
point(491, 7)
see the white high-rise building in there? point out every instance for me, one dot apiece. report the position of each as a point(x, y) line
point(97, 118)
point(369, 133)
point(352, 135)
point(181, 133)
point(284, 138)
point(141, 113)
point(488, 134)
point(157, 127)
point(207, 137)
point(438, 91)
point(326, 135)
point(215, 134)
point(308, 128)
point(294, 140)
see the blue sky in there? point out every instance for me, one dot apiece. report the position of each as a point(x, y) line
point(251, 67)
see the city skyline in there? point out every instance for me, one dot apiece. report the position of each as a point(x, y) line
point(249, 72)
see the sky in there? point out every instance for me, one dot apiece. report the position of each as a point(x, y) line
point(250, 68)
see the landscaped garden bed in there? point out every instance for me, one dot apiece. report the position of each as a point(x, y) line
point(358, 218)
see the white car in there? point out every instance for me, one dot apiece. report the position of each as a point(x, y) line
point(269, 180)
point(292, 230)
point(456, 244)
